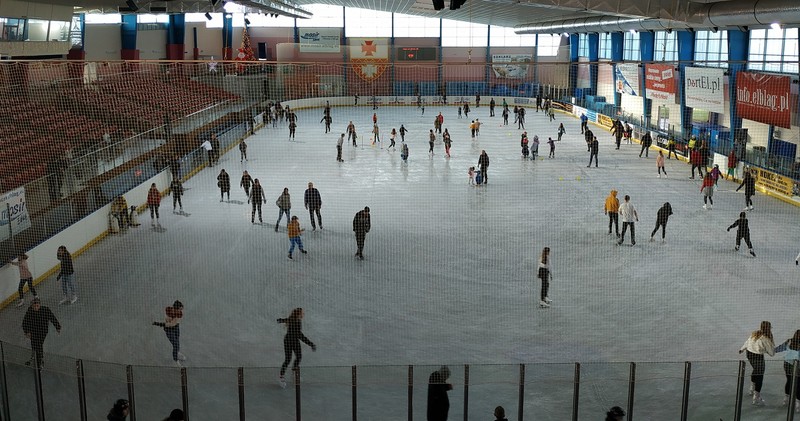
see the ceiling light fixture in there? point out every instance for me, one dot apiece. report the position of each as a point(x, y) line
point(208, 16)
point(776, 26)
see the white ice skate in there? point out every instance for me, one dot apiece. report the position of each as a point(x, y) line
point(752, 385)
point(181, 357)
point(785, 400)
point(547, 300)
point(757, 399)
point(282, 382)
point(543, 304)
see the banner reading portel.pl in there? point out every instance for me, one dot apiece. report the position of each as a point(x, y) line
point(703, 87)
point(764, 98)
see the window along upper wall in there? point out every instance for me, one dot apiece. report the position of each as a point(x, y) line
point(547, 45)
point(774, 50)
point(666, 46)
point(464, 34)
point(604, 49)
point(501, 36)
point(711, 48)
point(583, 45)
point(325, 16)
point(367, 23)
point(406, 26)
point(631, 49)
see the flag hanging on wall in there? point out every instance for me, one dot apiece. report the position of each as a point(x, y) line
point(369, 56)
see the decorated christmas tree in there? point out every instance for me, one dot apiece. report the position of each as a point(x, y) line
point(245, 51)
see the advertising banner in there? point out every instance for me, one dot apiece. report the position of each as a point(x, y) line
point(511, 66)
point(19, 218)
point(627, 78)
point(764, 98)
point(605, 121)
point(659, 79)
point(704, 89)
point(774, 182)
point(369, 56)
point(320, 40)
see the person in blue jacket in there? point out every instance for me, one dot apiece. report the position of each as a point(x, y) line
point(792, 349)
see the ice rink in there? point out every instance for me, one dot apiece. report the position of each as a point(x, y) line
point(449, 275)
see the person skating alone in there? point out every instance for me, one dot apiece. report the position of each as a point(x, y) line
point(176, 191)
point(224, 184)
point(172, 328)
point(351, 133)
point(25, 277)
point(431, 140)
point(284, 204)
point(404, 152)
point(660, 164)
point(759, 342)
point(313, 203)
point(521, 118)
point(402, 132)
point(561, 131)
point(491, 107)
point(438, 401)
point(376, 136)
point(35, 326)
point(749, 184)
point(66, 275)
point(647, 140)
point(695, 159)
point(295, 231)
point(662, 217)
point(546, 276)
point(447, 142)
point(242, 151)
point(505, 116)
point(291, 342)
point(339, 144)
point(361, 226)
point(153, 203)
point(292, 129)
point(392, 135)
point(534, 147)
point(792, 349)
point(584, 123)
point(553, 147)
point(732, 162)
point(483, 164)
point(742, 232)
point(257, 198)
point(611, 208)
point(707, 188)
point(594, 147)
point(629, 217)
point(617, 129)
point(246, 182)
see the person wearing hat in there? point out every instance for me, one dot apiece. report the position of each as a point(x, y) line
point(361, 226)
point(176, 415)
point(35, 325)
point(615, 414)
point(438, 401)
point(120, 410)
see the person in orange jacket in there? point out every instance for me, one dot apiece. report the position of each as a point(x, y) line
point(294, 236)
point(612, 210)
point(153, 202)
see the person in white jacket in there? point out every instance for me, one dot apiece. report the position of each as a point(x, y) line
point(759, 343)
point(629, 215)
point(792, 349)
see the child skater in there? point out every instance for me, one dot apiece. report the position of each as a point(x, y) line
point(715, 174)
point(294, 236)
point(552, 147)
point(291, 342)
point(471, 175)
point(391, 138)
point(535, 147)
point(660, 164)
point(743, 231)
point(707, 188)
point(404, 152)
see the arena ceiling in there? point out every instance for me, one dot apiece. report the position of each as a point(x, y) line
point(538, 15)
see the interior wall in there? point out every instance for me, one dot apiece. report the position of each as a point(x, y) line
point(103, 42)
point(605, 82)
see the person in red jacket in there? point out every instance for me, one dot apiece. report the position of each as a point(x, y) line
point(732, 161)
point(153, 202)
point(708, 191)
point(695, 159)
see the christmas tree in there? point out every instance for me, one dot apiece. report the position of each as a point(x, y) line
point(245, 51)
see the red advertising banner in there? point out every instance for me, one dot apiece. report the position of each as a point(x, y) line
point(659, 79)
point(764, 98)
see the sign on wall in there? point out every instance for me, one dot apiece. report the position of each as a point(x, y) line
point(511, 66)
point(320, 40)
point(764, 98)
point(416, 53)
point(19, 218)
point(659, 79)
point(627, 78)
point(775, 182)
point(704, 89)
point(369, 56)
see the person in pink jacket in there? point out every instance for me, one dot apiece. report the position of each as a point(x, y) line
point(660, 164)
point(25, 277)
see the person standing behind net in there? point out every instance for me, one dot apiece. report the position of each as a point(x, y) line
point(291, 342)
point(25, 277)
point(438, 401)
point(172, 328)
point(35, 325)
point(662, 217)
point(742, 231)
point(545, 275)
point(257, 198)
point(759, 342)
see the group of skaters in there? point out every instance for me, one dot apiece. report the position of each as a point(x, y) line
point(760, 343)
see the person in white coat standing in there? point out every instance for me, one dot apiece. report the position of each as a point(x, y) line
point(757, 344)
point(629, 215)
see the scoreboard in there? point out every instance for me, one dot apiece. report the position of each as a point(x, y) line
point(416, 53)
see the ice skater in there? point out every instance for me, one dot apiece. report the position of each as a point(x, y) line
point(716, 174)
point(749, 184)
point(176, 191)
point(438, 401)
point(361, 226)
point(67, 276)
point(294, 232)
point(291, 342)
point(505, 116)
point(732, 161)
point(246, 182)
point(153, 203)
point(611, 208)
point(172, 328)
point(312, 200)
point(553, 148)
point(351, 132)
point(594, 148)
point(447, 142)
point(545, 275)
point(660, 164)
point(647, 140)
point(483, 164)
point(629, 217)
point(376, 137)
point(792, 349)
point(35, 326)
point(742, 232)
point(471, 175)
point(242, 151)
point(402, 132)
point(404, 152)
point(257, 198)
point(431, 140)
point(392, 136)
point(707, 188)
point(224, 184)
point(284, 204)
point(757, 344)
point(25, 277)
point(534, 147)
point(662, 217)
point(561, 131)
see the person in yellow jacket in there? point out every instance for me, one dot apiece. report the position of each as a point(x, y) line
point(294, 236)
point(612, 210)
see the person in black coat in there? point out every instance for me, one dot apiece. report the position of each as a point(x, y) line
point(361, 226)
point(647, 140)
point(313, 202)
point(438, 401)
point(224, 184)
point(291, 341)
point(257, 198)
point(483, 163)
point(594, 147)
point(176, 191)
point(35, 325)
point(246, 182)
point(120, 410)
point(743, 231)
point(749, 184)
point(662, 216)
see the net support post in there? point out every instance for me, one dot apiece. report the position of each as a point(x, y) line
point(131, 393)
point(576, 391)
point(792, 392)
point(521, 397)
point(737, 413)
point(687, 379)
point(631, 390)
point(4, 384)
point(37, 380)
point(296, 372)
point(81, 389)
point(354, 388)
point(410, 393)
point(185, 393)
point(240, 383)
point(466, 392)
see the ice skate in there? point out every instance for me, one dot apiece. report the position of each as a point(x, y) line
point(752, 385)
point(64, 300)
point(705, 207)
point(785, 400)
point(282, 382)
point(710, 206)
point(181, 357)
point(20, 302)
point(659, 176)
point(303, 251)
point(757, 399)
point(75, 298)
point(178, 364)
point(290, 256)
point(548, 300)
point(752, 253)
point(543, 304)
point(663, 241)
point(751, 388)
point(751, 207)
point(652, 239)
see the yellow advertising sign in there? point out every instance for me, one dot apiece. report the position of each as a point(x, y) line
point(605, 121)
point(774, 182)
